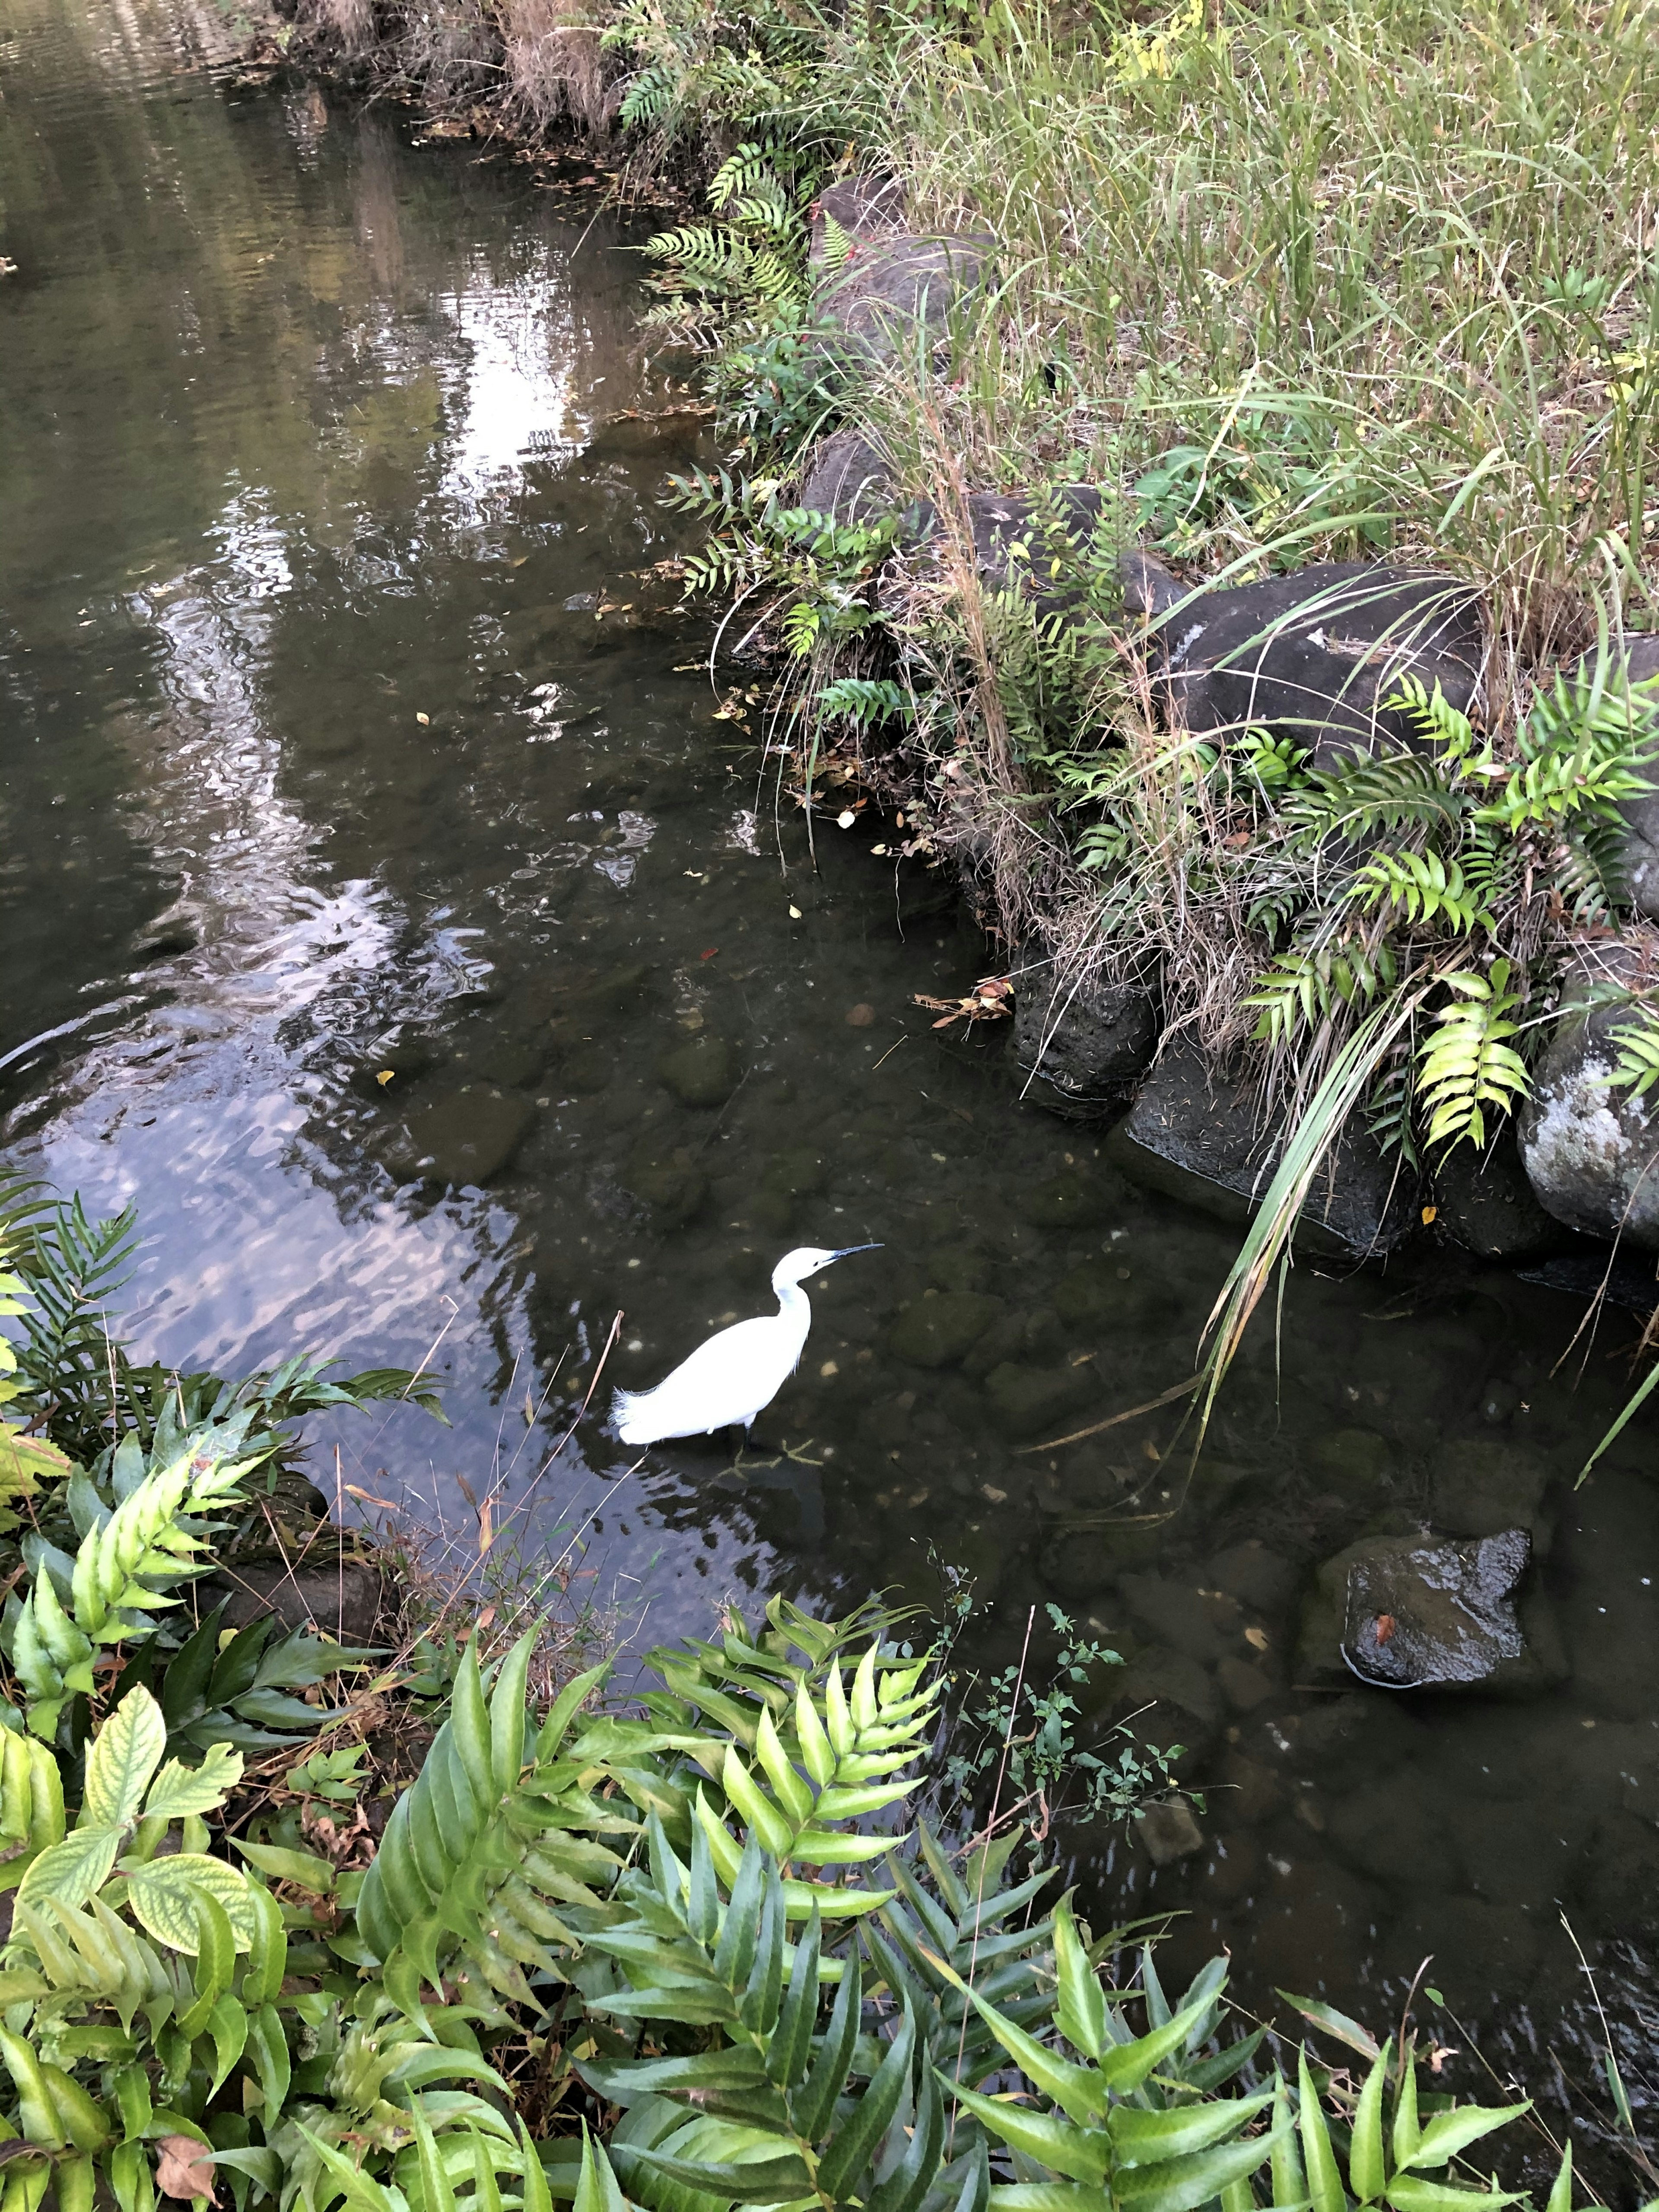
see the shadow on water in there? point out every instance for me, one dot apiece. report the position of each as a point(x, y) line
point(393, 910)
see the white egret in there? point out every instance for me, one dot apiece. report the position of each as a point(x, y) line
point(737, 1373)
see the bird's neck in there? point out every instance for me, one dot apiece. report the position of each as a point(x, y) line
point(794, 1301)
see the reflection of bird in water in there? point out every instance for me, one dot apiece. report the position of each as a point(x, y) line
point(732, 1377)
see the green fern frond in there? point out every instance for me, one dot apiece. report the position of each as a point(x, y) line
point(1636, 1068)
point(1467, 1065)
point(1423, 887)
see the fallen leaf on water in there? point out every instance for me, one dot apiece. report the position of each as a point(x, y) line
point(425, 720)
point(1385, 1627)
point(846, 819)
point(1429, 1213)
point(794, 914)
point(385, 1076)
point(709, 955)
point(1256, 1638)
point(184, 2167)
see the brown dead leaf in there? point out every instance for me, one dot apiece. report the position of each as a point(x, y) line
point(184, 2167)
point(1256, 1638)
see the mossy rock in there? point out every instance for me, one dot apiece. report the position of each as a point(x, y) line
point(674, 1191)
point(1028, 1402)
point(1109, 1294)
point(1068, 1200)
point(1353, 1458)
point(795, 1173)
point(703, 1072)
point(939, 1331)
point(467, 1138)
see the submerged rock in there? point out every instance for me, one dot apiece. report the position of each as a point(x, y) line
point(703, 1072)
point(1591, 1152)
point(1168, 1831)
point(1194, 1134)
point(939, 1332)
point(1481, 1486)
point(467, 1138)
point(1080, 1045)
point(1419, 1613)
point(1313, 655)
point(1026, 1401)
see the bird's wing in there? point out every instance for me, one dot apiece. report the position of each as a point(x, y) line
point(728, 1378)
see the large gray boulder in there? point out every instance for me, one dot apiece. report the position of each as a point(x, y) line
point(1591, 1152)
point(1313, 655)
point(1417, 1613)
point(892, 290)
point(1197, 1133)
point(1080, 1045)
point(1484, 1201)
point(848, 479)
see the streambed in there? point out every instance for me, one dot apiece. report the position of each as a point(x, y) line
point(370, 819)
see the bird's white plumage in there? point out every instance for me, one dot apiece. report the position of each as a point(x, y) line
point(736, 1374)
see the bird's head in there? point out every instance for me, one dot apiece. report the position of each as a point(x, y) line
point(807, 1259)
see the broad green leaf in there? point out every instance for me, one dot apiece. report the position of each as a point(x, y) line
point(1324, 2182)
point(1084, 2153)
point(1448, 2133)
point(125, 1751)
point(1290, 2183)
point(854, 2143)
point(1051, 2196)
point(178, 1790)
point(792, 1792)
point(1335, 2023)
point(817, 1756)
point(1125, 2066)
point(163, 1898)
point(1366, 2170)
point(760, 1817)
point(507, 1714)
point(597, 2191)
point(1184, 2183)
point(743, 2181)
point(1407, 2133)
point(1560, 2196)
point(1409, 2192)
point(1081, 2013)
point(227, 2023)
point(1079, 2090)
point(74, 1870)
point(303, 1868)
point(1145, 2138)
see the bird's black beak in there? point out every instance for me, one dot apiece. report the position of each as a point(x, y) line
point(846, 1250)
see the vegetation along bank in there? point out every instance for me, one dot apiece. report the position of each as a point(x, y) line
point(1193, 473)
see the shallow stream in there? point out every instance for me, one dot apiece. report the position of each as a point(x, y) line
point(396, 910)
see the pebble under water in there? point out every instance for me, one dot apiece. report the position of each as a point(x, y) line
point(395, 910)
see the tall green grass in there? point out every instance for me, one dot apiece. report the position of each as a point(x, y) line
point(1391, 264)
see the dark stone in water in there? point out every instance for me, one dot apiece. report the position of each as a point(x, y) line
point(1419, 1612)
point(465, 1138)
point(1250, 1572)
point(937, 1332)
point(1027, 1402)
point(1484, 1484)
point(1067, 1200)
point(1484, 1203)
point(702, 1074)
point(674, 1191)
point(1106, 1294)
point(1313, 655)
point(1081, 1047)
point(1194, 1134)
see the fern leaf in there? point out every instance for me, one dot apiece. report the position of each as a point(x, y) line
point(1468, 1065)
